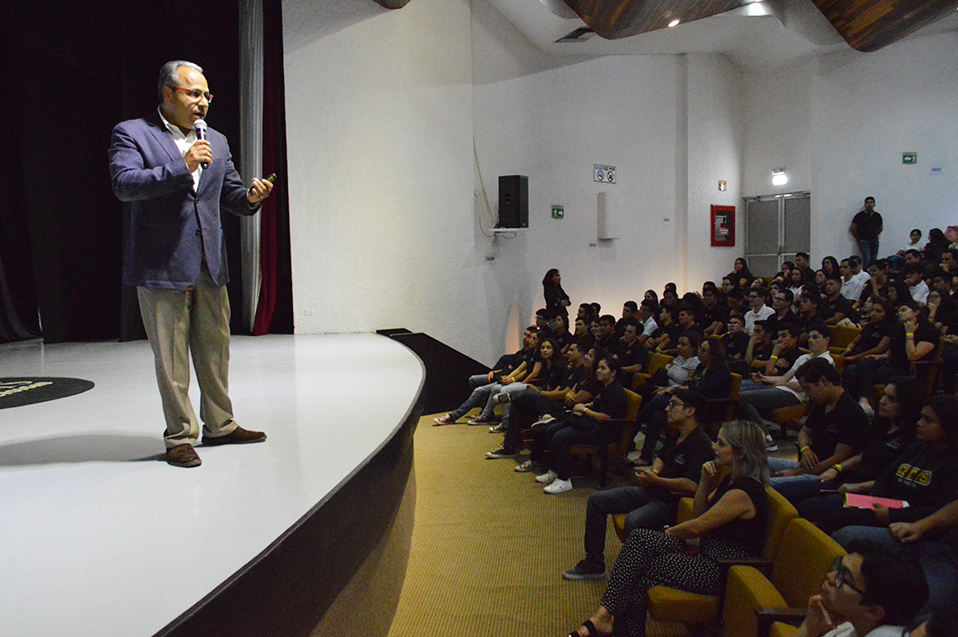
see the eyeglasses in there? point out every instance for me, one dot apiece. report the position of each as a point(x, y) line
point(676, 403)
point(195, 93)
point(844, 577)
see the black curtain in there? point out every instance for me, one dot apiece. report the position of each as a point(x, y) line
point(71, 71)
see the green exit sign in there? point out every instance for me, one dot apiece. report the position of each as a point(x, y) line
point(909, 158)
point(558, 212)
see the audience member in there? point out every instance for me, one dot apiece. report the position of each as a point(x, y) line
point(758, 311)
point(731, 514)
point(557, 301)
point(866, 228)
point(653, 502)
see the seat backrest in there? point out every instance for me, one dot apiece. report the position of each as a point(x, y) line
point(658, 361)
point(633, 402)
point(842, 336)
point(804, 558)
point(736, 386)
point(780, 513)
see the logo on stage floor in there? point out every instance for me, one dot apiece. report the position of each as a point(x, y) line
point(15, 392)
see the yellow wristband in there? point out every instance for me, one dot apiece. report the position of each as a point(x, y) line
point(907, 335)
point(655, 471)
point(774, 358)
point(838, 467)
point(804, 449)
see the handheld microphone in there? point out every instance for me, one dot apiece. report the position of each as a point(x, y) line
point(199, 127)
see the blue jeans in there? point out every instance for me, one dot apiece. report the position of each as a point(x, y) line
point(786, 464)
point(869, 250)
point(937, 560)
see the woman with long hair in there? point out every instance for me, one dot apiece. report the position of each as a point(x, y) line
point(740, 276)
point(830, 266)
point(556, 299)
point(924, 475)
point(730, 508)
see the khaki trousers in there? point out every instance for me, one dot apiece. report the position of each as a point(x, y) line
point(180, 323)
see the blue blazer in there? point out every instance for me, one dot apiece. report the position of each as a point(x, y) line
point(172, 225)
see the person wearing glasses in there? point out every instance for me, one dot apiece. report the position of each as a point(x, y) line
point(871, 591)
point(177, 186)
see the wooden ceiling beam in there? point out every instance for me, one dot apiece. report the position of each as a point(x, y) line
point(868, 25)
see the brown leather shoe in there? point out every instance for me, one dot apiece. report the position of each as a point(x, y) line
point(238, 436)
point(183, 456)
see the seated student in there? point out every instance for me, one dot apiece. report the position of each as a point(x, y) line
point(833, 432)
point(631, 354)
point(736, 301)
point(629, 310)
point(914, 339)
point(670, 297)
point(740, 276)
point(851, 284)
point(561, 333)
point(551, 372)
point(872, 592)
point(586, 425)
point(653, 502)
point(759, 349)
point(949, 264)
point(603, 331)
point(782, 307)
point(542, 323)
point(877, 282)
point(648, 310)
point(685, 322)
point(897, 260)
point(803, 263)
point(916, 286)
point(796, 281)
point(782, 391)
point(583, 334)
point(925, 474)
point(758, 311)
point(736, 343)
point(579, 387)
point(715, 312)
point(875, 337)
point(835, 307)
point(808, 316)
point(587, 313)
point(482, 395)
point(893, 431)
point(731, 520)
point(667, 333)
point(712, 378)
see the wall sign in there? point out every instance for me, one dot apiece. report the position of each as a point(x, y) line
point(723, 226)
point(604, 174)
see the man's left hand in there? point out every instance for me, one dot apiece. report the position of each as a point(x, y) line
point(258, 191)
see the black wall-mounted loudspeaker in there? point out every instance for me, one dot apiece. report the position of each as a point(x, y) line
point(513, 201)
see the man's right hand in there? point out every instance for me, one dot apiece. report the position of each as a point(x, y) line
point(198, 153)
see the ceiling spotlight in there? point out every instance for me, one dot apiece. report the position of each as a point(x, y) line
point(674, 23)
point(779, 178)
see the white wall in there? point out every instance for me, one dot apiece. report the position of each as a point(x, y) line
point(387, 207)
point(840, 124)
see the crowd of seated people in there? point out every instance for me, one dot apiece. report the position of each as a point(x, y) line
point(880, 419)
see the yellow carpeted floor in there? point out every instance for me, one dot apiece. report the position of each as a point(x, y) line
point(489, 547)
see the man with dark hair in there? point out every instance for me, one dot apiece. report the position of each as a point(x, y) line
point(833, 431)
point(632, 354)
point(784, 390)
point(916, 286)
point(629, 310)
point(834, 307)
point(758, 310)
point(803, 264)
point(866, 228)
point(782, 306)
point(877, 282)
point(870, 592)
point(178, 186)
point(808, 317)
point(653, 502)
point(716, 313)
point(851, 284)
point(603, 330)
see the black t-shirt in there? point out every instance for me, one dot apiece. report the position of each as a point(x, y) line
point(872, 335)
point(868, 225)
point(881, 449)
point(898, 357)
point(563, 340)
point(611, 400)
point(552, 377)
point(684, 459)
point(926, 478)
point(845, 424)
point(735, 344)
point(719, 312)
point(636, 354)
point(827, 309)
point(749, 534)
point(816, 322)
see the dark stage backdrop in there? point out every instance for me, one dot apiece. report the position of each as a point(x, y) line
point(70, 71)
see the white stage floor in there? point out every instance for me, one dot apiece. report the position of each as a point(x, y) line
point(99, 536)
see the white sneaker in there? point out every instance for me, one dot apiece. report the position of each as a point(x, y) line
point(558, 486)
point(770, 444)
point(547, 477)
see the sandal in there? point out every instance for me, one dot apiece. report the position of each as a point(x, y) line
point(593, 631)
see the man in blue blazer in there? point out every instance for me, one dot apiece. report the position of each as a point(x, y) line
point(177, 186)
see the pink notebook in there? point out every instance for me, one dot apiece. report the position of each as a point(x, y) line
point(868, 502)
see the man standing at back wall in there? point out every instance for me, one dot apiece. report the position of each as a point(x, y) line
point(176, 254)
point(866, 228)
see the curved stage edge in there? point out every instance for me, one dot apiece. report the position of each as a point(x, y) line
point(338, 571)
